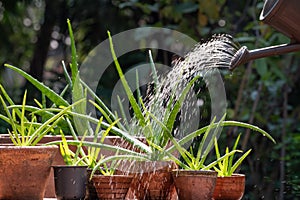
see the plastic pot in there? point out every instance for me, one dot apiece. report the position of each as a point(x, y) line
point(70, 182)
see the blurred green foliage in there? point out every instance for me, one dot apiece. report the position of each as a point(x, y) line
point(264, 92)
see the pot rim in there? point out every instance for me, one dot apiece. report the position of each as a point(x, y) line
point(234, 175)
point(11, 146)
point(114, 175)
point(68, 166)
point(184, 172)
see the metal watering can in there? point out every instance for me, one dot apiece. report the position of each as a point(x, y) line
point(284, 16)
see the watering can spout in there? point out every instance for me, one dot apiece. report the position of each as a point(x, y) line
point(243, 55)
point(284, 16)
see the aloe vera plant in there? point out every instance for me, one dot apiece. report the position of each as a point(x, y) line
point(27, 130)
point(77, 87)
point(87, 156)
point(79, 90)
point(70, 158)
point(227, 166)
point(88, 153)
point(158, 132)
point(192, 161)
point(196, 161)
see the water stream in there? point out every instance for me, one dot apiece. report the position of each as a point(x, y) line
point(203, 60)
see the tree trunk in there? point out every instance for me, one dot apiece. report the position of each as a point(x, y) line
point(42, 45)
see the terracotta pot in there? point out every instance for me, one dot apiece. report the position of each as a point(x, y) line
point(70, 182)
point(58, 160)
point(194, 185)
point(152, 180)
point(230, 188)
point(24, 171)
point(112, 187)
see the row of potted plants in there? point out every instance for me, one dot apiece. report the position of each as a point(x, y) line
point(154, 161)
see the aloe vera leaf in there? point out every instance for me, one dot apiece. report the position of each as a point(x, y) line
point(104, 146)
point(14, 134)
point(249, 126)
point(11, 102)
point(143, 147)
point(202, 130)
point(77, 93)
point(217, 151)
point(67, 76)
point(178, 147)
point(118, 157)
point(201, 151)
point(233, 148)
point(64, 150)
point(56, 118)
point(216, 130)
point(77, 89)
point(102, 112)
point(125, 121)
point(178, 103)
point(107, 131)
point(22, 128)
point(102, 105)
point(138, 113)
point(73, 133)
point(154, 72)
point(214, 163)
point(53, 96)
point(73, 65)
point(138, 91)
point(238, 162)
point(225, 161)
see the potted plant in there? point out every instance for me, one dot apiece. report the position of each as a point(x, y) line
point(31, 162)
point(157, 130)
point(104, 164)
point(229, 185)
point(108, 183)
point(77, 113)
point(195, 163)
point(194, 180)
point(80, 152)
point(58, 100)
point(105, 184)
point(89, 156)
point(70, 179)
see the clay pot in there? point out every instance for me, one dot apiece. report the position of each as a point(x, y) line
point(24, 171)
point(112, 187)
point(230, 188)
point(194, 185)
point(58, 160)
point(70, 182)
point(152, 180)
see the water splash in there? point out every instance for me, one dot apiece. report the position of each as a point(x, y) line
point(202, 60)
point(217, 52)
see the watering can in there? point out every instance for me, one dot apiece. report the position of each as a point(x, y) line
point(284, 16)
